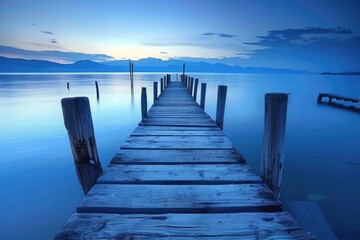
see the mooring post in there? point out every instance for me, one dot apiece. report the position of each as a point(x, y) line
point(79, 125)
point(273, 148)
point(184, 69)
point(68, 85)
point(132, 77)
point(203, 95)
point(97, 90)
point(188, 83)
point(143, 102)
point(196, 87)
point(155, 91)
point(165, 82)
point(220, 107)
point(191, 85)
point(161, 85)
point(168, 77)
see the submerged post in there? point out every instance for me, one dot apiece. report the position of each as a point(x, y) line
point(79, 125)
point(273, 148)
point(220, 107)
point(97, 90)
point(203, 95)
point(155, 91)
point(143, 103)
point(196, 87)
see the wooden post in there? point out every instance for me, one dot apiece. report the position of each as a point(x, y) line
point(273, 148)
point(196, 87)
point(165, 82)
point(161, 85)
point(188, 82)
point(68, 85)
point(184, 69)
point(155, 90)
point(79, 125)
point(168, 77)
point(132, 77)
point(203, 95)
point(143, 102)
point(220, 108)
point(97, 90)
point(191, 85)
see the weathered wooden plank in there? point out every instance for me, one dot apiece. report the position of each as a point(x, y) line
point(275, 225)
point(175, 128)
point(183, 156)
point(177, 133)
point(177, 142)
point(179, 174)
point(160, 199)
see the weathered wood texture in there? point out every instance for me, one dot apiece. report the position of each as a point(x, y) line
point(196, 88)
point(179, 165)
point(155, 91)
point(272, 161)
point(79, 125)
point(203, 95)
point(214, 226)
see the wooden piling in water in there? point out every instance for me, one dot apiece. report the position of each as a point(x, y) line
point(68, 85)
point(196, 87)
point(97, 90)
point(273, 147)
point(143, 102)
point(220, 107)
point(79, 125)
point(168, 77)
point(155, 91)
point(203, 95)
point(161, 85)
point(184, 69)
point(131, 67)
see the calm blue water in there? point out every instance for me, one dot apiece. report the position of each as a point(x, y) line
point(39, 187)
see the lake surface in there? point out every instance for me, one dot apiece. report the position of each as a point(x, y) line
point(39, 186)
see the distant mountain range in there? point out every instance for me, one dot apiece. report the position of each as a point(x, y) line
point(340, 73)
point(142, 65)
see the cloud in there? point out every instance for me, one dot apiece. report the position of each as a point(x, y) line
point(53, 41)
point(48, 32)
point(164, 53)
point(59, 56)
point(33, 24)
point(299, 36)
point(221, 35)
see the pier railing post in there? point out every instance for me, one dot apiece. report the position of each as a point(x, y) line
point(143, 102)
point(191, 86)
point(168, 77)
point(203, 95)
point(196, 88)
point(273, 148)
point(155, 91)
point(220, 107)
point(79, 125)
point(165, 82)
point(161, 85)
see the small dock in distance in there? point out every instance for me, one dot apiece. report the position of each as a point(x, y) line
point(331, 96)
point(179, 177)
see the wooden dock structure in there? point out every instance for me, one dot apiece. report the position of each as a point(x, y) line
point(178, 176)
point(331, 96)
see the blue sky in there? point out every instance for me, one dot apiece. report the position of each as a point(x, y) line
point(309, 35)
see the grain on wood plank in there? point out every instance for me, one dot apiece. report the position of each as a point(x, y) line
point(160, 199)
point(183, 156)
point(275, 225)
point(179, 174)
point(177, 133)
point(177, 142)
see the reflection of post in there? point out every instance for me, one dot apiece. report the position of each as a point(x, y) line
point(97, 91)
point(203, 95)
point(79, 125)
point(272, 160)
point(143, 103)
point(220, 108)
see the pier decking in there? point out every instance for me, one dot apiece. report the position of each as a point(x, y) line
point(179, 177)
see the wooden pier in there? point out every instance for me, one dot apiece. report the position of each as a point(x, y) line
point(331, 96)
point(179, 177)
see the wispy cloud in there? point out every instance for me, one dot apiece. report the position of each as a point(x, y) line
point(299, 36)
point(48, 32)
point(53, 41)
point(221, 35)
point(33, 24)
point(164, 53)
